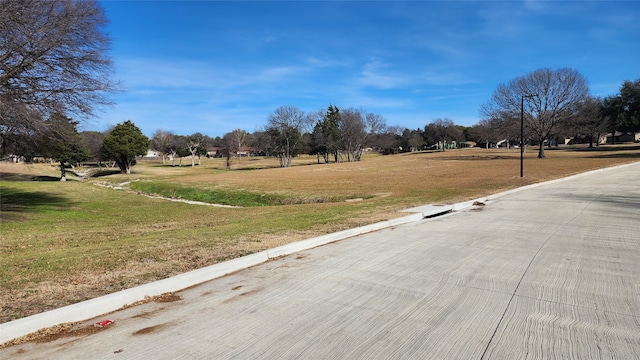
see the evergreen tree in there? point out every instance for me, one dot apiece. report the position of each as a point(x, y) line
point(63, 143)
point(331, 132)
point(623, 109)
point(123, 144)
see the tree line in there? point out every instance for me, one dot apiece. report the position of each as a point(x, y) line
point(332, 135)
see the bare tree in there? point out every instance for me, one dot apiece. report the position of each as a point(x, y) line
point(378, 134)
point(376, 124)
point(389, 140)
point(544, 96)
point(284, 128)
point(196, 145)
point(588, 120)
point(239, 139)
point(352, 133)
point(485, 130)
point(442, 130)
point(53, 59)
point(502, 126)
point(160, 142)
point(93, 141)
point(261, 141)
point(176, 147)
point(230, 146)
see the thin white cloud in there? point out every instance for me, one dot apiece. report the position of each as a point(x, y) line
point(374, 74)
point(170, 74)
point(273, 74)
point(319, 63)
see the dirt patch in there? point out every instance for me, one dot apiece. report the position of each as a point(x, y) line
point(151, 329)
point(246, 293)
point(166, 298)
point(147, 314)
point(162, 298)
point(57, 332)
point(83, 331)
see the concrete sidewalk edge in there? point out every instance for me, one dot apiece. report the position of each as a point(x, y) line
point(108, 303)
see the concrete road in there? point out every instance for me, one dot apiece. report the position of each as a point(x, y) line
point(551, 272)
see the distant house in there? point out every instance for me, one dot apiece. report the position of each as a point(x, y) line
point(214, 152)
point(243, 151)
point(620, 137)
point(247, 151)
point(152, 154)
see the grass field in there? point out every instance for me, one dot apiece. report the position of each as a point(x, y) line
point(64, 242)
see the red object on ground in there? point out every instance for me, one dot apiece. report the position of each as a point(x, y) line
point(104, 323)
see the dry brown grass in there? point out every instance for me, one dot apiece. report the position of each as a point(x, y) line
point(101, 240)
point(471, 172)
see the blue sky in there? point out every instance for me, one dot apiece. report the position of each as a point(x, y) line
point(216, 66)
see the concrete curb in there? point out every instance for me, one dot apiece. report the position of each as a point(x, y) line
point(105, 304)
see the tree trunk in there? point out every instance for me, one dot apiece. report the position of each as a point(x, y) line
point(63, 172)
point(127, 166)
point(357, 155)
point(541, 150)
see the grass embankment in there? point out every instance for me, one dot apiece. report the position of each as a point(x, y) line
point(63, 242)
